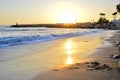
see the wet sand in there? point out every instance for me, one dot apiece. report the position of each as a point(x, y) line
point(99, 65)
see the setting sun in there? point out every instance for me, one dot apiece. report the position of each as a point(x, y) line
point(66, 17)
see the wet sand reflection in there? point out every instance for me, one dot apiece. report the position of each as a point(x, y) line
point(69, 51)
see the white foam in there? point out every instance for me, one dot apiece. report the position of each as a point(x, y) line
point(29, 35)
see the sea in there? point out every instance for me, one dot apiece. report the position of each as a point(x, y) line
point(10, 36)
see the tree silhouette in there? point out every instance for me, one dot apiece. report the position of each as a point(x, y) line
point(102, 20)
point(118, 8)
point(102, 15)
point(114, 15)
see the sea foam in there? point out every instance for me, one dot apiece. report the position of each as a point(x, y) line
point(30, 35)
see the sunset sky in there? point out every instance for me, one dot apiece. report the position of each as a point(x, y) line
point(54, 11)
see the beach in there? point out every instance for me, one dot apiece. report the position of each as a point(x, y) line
point(59, 40)
point(61, 59)
point(108, 67)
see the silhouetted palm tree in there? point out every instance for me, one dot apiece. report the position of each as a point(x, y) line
point(118, 8)
point(102, 15)
point(114, 15)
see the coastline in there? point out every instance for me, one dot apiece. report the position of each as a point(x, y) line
point(49, 57)
point(81, 71)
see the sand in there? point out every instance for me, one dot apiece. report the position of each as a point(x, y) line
point(99, 65)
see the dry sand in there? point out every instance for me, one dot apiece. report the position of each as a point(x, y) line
point(99, 67)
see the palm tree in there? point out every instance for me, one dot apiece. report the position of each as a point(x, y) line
point(114, 15)
point(118, 8)
point(102, 15)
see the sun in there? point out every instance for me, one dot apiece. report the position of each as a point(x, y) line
point(66, 17)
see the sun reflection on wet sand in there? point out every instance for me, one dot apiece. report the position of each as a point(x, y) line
point(69, 51)
point(69, 60)
point(69, 44)
point(79, 51)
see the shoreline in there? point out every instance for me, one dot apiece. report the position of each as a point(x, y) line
point(50, 57)
point(81, 71)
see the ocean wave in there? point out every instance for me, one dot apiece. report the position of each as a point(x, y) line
point(9, 41)
point(21, 29)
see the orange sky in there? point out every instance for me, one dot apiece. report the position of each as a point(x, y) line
point(54, 11)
